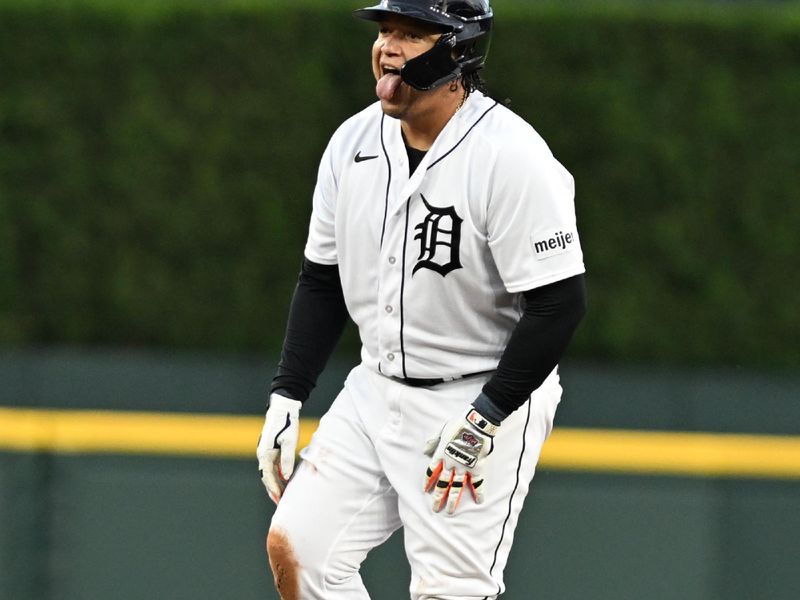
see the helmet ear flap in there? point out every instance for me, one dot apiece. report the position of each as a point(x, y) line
point(433, 68)
point(472, 52)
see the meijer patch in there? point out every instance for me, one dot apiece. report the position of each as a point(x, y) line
point(558, 243)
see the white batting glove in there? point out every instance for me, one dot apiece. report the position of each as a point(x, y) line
point(458, 455)
point(278, 444)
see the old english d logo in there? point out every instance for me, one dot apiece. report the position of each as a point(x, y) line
point(439, 237)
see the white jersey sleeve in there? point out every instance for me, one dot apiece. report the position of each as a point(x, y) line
point(321, 243)
point(531, 222)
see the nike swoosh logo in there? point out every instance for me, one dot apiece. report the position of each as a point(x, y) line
point(360, 158)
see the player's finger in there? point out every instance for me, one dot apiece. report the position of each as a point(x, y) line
point(432, 475)
point(440, 494)
point(270, 480)
point(442, 490)
point(454, 497)
point(270, 476)
point(286, 467)
point(262, 454)
point(476, 489)
point(431, 445)
point(266, 458)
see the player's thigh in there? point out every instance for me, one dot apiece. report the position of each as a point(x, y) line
point(463, 555)
point(339, 504)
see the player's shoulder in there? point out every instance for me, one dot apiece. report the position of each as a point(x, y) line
point(505, 131)
point(508, 147)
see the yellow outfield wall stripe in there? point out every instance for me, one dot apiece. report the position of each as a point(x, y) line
point(674, 453)
point(231, 436)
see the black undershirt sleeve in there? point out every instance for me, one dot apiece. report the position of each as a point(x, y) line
point(551, 315)
point(318, 314)
point(317, 317)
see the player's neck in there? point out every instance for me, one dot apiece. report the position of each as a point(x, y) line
point(422, 128)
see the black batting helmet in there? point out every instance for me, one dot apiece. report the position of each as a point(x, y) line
point(466, 27)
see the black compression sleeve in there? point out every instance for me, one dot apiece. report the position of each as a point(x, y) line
point(317, 317)
point(552, 313)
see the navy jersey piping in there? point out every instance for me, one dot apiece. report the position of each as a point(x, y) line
point(458, 143)
point(388, 183)
point(405, 245)
point(402, 292)
point(513, 492)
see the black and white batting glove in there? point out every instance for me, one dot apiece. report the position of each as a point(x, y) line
point(278, 444)
point(458, 456)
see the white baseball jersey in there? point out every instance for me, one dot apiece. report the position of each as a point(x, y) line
point(432, 264)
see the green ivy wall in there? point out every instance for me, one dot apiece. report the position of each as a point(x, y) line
point(157, 162)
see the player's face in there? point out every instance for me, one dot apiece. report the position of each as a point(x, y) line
point(399, 40)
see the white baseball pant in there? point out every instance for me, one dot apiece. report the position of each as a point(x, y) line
point(362, 476)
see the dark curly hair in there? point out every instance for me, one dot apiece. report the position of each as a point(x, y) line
point(473, 81)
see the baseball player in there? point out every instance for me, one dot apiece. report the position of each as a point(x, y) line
point(445, 228)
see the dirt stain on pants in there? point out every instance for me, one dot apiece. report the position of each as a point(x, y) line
point(284, 565)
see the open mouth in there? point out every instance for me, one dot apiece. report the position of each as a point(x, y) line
point(389, 83)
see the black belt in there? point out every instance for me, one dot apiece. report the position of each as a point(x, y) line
point(423, 382)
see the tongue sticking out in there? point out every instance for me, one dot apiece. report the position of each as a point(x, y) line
point(387, 86)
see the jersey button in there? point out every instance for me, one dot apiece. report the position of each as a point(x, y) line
point(389, 310)
point(390, 356)
point(392, 260)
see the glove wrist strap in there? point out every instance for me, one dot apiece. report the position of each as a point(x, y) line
point(481, 423)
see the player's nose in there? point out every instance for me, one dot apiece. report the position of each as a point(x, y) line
point(391, 46)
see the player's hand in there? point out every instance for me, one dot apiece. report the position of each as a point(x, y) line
point(458, 455)
point(278, 444)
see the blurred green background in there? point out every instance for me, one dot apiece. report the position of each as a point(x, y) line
point(157, 160)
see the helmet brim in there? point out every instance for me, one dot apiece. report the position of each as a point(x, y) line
point(381, 13)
